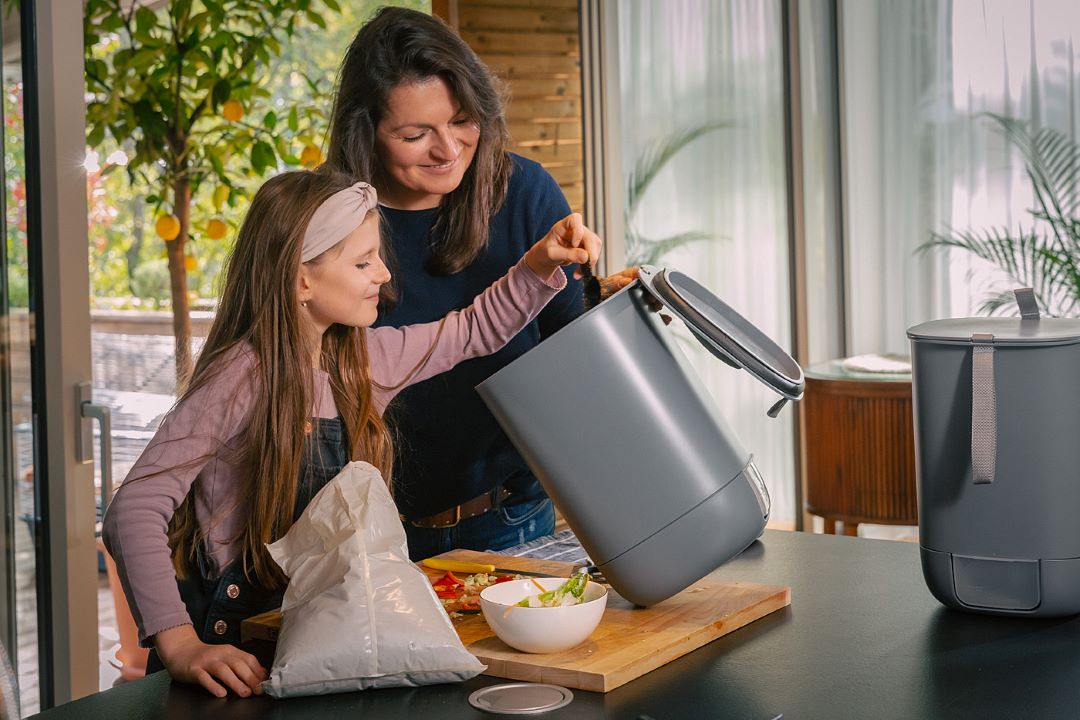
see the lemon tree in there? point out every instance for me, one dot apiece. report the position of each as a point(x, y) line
point(182, 86)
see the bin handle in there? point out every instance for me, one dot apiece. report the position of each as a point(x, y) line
point(983, 410)
point(984, 396)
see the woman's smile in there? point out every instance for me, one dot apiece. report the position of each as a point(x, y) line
point(439, 169)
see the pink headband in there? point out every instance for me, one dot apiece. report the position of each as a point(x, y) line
point(339, 215)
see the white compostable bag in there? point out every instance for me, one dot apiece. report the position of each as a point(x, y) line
point(357, 614)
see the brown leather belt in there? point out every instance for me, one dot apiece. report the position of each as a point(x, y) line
point(468, 509)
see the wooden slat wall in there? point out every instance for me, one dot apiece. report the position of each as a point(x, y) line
point(534, 47)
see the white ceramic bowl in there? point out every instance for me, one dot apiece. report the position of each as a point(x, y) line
point(542, 629)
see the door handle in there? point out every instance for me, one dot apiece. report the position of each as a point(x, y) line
point(84, 445)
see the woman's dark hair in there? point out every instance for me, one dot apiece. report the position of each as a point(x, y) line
point(402, 46)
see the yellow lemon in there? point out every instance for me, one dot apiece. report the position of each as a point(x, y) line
point(232, 110)
point(216, 229)
point(311, 156)
point(221, 195)
point(167, 227)
point(190, 263)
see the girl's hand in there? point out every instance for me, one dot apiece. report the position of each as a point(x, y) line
point(568, 242)
point(215, 667)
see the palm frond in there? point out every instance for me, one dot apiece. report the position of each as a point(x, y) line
point(1048, 262)
point(655, 156)
point(998, 302)
point(1051, 160)
point(1023, 256)
point(647, 251)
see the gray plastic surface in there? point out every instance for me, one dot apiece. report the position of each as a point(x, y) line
point(617, 426)
point(1059, 586)
point(1013, 331)
point(1029, 511)
point(996, 583)
point(691, 547)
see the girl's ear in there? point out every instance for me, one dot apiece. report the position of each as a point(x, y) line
point(305, 283)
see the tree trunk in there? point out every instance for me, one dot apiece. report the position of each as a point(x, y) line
point(178, 282)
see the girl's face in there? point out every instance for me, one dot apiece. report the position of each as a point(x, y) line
point(425, 144)
point(343, 287)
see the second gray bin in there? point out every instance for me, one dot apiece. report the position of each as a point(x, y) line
point(629, 444)
point(997, 423)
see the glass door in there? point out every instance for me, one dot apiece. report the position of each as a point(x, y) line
point(18, 602)
point(48, 569)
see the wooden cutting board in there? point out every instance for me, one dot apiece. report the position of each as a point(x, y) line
point(629, 641)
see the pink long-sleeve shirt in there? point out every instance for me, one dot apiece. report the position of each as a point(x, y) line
point(208, 424)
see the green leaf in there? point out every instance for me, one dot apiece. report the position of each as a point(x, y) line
point(316, 18)
point(333, 5)
point(145, 20)
point(215, 162)
point(262, 156)
point(270, 120)
point(221, 92)
point(95, 135)
point(294, 121)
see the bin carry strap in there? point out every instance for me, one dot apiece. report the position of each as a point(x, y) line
point(983, 395)
point(983, 409)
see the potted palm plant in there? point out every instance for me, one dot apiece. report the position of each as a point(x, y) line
point(1046, 256)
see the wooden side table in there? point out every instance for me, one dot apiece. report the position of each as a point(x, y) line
point(860, 447)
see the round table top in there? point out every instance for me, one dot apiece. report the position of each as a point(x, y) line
point(839, 369)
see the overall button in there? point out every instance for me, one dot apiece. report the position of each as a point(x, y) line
point(233, 591)
point(220, 627)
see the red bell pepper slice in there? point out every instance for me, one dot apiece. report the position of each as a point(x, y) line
point(448, 579)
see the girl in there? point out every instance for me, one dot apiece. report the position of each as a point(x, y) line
point(291, 384)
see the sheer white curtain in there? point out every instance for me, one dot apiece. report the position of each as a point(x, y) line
point(685, 63)
point(921, 157)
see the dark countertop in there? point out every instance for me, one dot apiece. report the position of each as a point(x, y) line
point(863, 638)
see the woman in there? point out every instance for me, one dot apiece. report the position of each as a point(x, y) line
point(419, 116)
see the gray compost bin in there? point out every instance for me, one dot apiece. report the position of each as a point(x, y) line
point(997, 442)
point(630, 445)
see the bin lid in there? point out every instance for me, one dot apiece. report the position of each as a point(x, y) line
point(1006, 330)
point(724, 332)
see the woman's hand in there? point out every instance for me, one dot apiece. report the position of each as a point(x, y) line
point(215, 667)
point(568, 242)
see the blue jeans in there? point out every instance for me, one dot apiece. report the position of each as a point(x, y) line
point(496, 529)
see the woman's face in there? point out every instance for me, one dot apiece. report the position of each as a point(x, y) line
point(424, 143)
point(343, 285)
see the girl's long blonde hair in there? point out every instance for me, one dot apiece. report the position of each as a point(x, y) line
point(259, 308)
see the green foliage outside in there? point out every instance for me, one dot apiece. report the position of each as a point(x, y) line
point(113, 264)
point(15, 192)
point(164, 86)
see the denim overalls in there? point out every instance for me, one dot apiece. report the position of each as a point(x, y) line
point(218, 605)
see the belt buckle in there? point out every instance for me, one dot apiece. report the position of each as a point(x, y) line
point(453, 523)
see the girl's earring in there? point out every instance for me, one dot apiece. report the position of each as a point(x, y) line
point(303, 303)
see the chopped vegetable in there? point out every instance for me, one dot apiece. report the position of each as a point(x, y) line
point(569, 593)
point(462, 596)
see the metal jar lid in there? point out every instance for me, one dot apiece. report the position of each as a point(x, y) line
point(520, 698)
